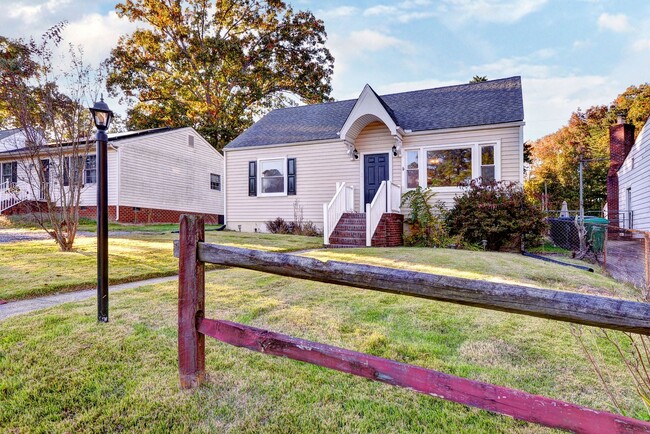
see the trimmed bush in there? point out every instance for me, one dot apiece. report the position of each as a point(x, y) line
point(497, 212)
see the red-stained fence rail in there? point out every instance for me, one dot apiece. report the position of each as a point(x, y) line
point(193, 252)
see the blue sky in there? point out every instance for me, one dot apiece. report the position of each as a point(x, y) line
point(569, 53)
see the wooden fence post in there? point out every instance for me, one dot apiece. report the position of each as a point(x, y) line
point(191, 302)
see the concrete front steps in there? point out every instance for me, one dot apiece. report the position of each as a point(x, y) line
point(351, 231)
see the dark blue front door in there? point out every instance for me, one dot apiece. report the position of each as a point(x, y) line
point(375, 170)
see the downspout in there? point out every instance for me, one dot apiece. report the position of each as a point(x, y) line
point(119, 179)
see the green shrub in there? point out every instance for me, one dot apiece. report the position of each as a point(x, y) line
point(496, 212)
point(427, 227)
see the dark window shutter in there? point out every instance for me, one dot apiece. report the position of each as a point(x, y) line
point(291, 176)
point(14, 172)
point(252, 178)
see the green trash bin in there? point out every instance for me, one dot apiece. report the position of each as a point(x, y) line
point(596, 232)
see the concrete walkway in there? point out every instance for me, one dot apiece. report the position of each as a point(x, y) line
point(24, 306)
point(14, 308)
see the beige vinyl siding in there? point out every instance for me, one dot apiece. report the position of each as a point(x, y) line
point(634, 174)
point(162, 171)
point(321, 165)
point(375, 138)
point(318, 168)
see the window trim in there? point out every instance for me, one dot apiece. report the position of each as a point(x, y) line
point(260, 192)
point(218, 182)
point(476, 162)
point(86, 170)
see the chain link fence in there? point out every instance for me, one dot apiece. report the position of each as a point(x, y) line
point(622, 252)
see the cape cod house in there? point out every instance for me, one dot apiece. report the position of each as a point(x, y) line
point(154, 175)
point(344, 165)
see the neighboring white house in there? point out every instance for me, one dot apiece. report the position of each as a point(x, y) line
point(634, 182)
point(347, 153)
point(153, 176)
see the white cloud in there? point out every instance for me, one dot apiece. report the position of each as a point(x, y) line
point(581, 44)
point(533, 65)
point(407, 86)
point(549, 101)
point(371, 40)
point(380, 10)
point(97, 34)
point(339, 12)
point(641, 45)
point(495, 11)
point(616, 23)
point(458, 11)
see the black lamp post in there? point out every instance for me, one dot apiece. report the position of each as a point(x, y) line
point(102, 117)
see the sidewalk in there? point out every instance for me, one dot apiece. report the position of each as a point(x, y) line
point(24, 306)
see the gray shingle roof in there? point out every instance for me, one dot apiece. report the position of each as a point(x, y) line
point(465, 105)
point(8, 133)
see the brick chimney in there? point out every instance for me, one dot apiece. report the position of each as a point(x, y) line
point(621, 139)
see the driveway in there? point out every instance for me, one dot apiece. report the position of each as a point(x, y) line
point(11, 235)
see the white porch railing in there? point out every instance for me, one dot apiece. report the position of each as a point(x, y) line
point(387, 199)
point(342, 202)
point(10, 195)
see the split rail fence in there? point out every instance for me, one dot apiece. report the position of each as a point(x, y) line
point(609, 313)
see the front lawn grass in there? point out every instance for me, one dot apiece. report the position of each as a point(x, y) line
point(61, 371)
point(35, 268)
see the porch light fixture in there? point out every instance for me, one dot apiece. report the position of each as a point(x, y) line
point(394, 149)
point(102, 117)
point(355, 154)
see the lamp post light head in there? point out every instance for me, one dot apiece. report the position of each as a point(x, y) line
point(102, 115)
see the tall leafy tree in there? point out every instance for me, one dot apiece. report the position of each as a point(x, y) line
point(216, 65)
point(555, 157)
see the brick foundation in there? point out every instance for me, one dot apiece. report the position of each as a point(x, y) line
point(129, 214)
point(389, 231)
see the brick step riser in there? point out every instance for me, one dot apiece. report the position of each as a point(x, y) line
point(359, 216)
point(354, 235)
point(341, 246)
point(353, 228)
point(348, 241)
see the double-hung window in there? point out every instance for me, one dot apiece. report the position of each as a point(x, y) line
point(90, 170)
point(488, 168)
point(215, 181)
point(412, 169)
point(9, 172)
point(273, 177)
